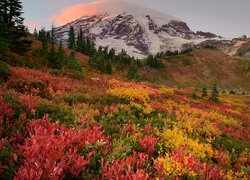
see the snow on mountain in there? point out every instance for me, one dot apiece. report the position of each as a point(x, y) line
point(138, 30)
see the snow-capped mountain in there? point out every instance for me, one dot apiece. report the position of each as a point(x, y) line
point(136, 29)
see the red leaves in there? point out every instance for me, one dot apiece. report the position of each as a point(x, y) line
point(52, 151)
point(129, 129)
point(29, 102)
point(37, 82)
point(157, 106)
point(130, 168)
point(148, 144)
point(241, 133)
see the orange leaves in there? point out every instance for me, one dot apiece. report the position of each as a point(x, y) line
point(178, 163)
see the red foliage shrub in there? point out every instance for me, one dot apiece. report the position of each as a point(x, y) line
point(53, 151)
point(191, 164)
point(29, 102)
point(133, 167)
point(129, 129)
point(37, 83)
point(157, 106)
point(148, 144)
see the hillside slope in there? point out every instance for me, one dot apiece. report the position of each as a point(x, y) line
point(199, 67)
point(90, 125)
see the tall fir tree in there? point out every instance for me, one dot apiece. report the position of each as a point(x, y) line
point(108, 66)
point(80, 42)
point(11, 25)
point(72, 62)
point(43, 38)
point(60, 56)
point(48, 35)
point(71, 38)
point(15, 18)
point(154, 62)
point(35, 32)
point(215, 93)
point(52, 53)
point(133, 68)
point(204, 91)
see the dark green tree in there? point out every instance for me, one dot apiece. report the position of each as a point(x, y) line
point(48, 35)
point(52, 53)
point(11, 26)
point(215, 93)
point(71, 38)
point(80, 43)
point(14, 14)
point(60, 56)
point(154, 62)
point(108, 65)
point(35, 32)
point(133, 68)
point(42, 36)
point(111, 54)
point(204, 91)
point(72, 62)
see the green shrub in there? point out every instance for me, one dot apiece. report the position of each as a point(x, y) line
point(5, 72)
point(154, 62)
point(21, 46)
point(38, 53)
point(4, 44)
point(55, 112)
point(230, 144)
point(72, 63)
point(232, 92)
point(186, 62)
point(132, 72)
point(73, 74)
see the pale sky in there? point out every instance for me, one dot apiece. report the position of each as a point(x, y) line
point(228, 18)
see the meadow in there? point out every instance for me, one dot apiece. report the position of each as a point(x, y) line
point(60, 127)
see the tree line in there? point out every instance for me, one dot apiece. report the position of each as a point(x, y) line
point(12, 29)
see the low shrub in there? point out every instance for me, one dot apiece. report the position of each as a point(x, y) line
point(5, 72)
point(55, 112)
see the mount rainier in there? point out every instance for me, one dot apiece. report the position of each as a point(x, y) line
point(138, 30)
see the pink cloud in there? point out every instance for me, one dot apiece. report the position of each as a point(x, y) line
point(76, 11)
point(73, 12)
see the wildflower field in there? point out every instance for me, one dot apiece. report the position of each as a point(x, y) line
point(58, 127)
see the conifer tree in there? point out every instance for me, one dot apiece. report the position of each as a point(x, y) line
point(133, 68)
point(154, 62)
point(80, 42)
point(52, 53)
point(48, 35)
point(60, 56)
point(215, 93)
point(35, 32)
point(72, 62)
point(14, 18)
point(109, 66)
point(204, 91)
point(43, 38)
point(11, 26)
point(111, 53)
point(71, 38)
